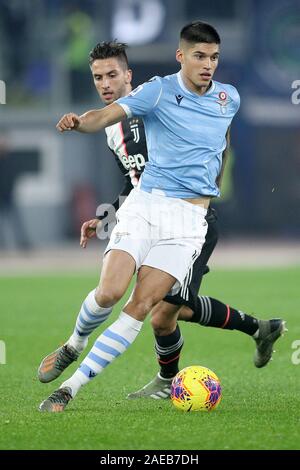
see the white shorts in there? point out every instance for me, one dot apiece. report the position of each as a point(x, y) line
point(159, 231)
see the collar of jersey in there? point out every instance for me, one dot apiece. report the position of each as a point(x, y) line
point(182, 85)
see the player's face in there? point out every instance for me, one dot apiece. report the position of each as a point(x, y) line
point(111, 79)
point(198, 64)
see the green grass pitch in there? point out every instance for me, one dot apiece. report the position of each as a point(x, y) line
point(260, 408)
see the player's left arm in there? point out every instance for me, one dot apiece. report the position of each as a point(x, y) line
point(89, 230)
point(224, 159)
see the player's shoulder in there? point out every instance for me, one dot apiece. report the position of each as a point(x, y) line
point(169, 80)
point(150, 87)
point(155, 81)
point(230, 90)
point(156, 84)
point(168, 84)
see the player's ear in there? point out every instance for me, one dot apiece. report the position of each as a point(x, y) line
point(128, 77)
point(179, 56)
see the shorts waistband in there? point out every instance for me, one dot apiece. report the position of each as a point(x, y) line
point(199, 201)
point(184, 202)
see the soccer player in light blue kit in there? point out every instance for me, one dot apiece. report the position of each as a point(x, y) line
point(161, 226)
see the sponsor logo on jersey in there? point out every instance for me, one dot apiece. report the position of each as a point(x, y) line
point(178, 99)
point(133, 161)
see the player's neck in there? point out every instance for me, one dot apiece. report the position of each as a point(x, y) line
point(199, 90)
point(128, 89)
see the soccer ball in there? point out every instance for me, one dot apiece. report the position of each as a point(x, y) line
point(196, 388)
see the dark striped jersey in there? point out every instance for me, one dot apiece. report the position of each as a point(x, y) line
point(127, 141)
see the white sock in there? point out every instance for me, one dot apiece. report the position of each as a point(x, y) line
point(91, 315)
point(110, 344)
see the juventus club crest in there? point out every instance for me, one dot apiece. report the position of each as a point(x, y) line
point(134, 127)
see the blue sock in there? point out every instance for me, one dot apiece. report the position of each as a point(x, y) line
point(110, 344)
point(91, 315)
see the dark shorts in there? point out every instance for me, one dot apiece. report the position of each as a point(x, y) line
point(189, 291)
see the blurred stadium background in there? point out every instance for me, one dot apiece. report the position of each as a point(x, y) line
point(50, 183)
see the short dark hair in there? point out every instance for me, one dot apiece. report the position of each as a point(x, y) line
point(197, 31)
point(106, 50)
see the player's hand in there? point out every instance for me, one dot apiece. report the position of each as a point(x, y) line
point(88, 230)
point(69, 122)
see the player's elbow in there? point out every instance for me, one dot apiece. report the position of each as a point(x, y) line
point(91, 121)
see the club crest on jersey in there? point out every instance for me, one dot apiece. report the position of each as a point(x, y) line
point(223, 101)
point(134, 127)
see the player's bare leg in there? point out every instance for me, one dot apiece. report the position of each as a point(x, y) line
point(264, 332)
point(117, 271)
point(168, 344)
point(152, 285)
point(116, 274)
point(213, 313)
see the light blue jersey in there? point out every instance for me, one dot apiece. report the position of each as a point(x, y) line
point(185, 134)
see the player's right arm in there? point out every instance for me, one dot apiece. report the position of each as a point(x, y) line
point(139, 103)
point(92, 121)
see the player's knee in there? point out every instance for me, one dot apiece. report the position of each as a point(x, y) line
point(140, 307)
point(161, 325)
point(108, 297)
point(157, 321)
